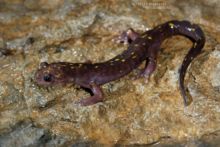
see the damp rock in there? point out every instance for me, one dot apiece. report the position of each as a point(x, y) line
point(43, 4)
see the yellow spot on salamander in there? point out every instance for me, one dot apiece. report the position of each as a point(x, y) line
point(171, 25)
point(132, 53)
point(80, 65)
point(96, 66)
point(117, 59)
point(136, 45)
point(195, 45)
point(144, 36)
point(191, 29)
point(149, 37)
point(72, 67)
point(133, 57)
point(123, 60)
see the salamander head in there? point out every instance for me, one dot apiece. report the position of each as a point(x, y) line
point(49, 74)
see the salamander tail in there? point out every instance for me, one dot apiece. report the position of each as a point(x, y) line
point(195, 33)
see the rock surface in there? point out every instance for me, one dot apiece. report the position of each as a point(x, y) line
point(134, 113)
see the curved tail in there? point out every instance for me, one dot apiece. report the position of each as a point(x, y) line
point(196, 35)
point(198, 39)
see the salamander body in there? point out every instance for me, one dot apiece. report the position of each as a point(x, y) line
point(142, 47)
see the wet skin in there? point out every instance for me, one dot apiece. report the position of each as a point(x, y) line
point(142, 47)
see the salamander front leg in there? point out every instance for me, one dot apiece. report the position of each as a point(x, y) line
point(127, 37)
point(97, 96)
point(149, 69)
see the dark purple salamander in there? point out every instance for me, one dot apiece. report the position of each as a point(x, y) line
point(142, 47)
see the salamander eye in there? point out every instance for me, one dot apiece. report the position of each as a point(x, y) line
point(48, 78)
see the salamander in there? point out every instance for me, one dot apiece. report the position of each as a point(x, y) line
point(141, 47)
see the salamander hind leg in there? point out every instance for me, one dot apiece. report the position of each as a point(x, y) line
point(127, 37)
point(95, 98)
